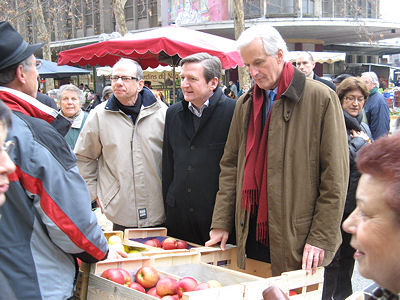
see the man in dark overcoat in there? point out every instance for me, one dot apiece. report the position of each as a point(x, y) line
point(194, 138)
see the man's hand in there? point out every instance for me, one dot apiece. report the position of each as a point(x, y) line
point(115, 254)
point(218, 235)
point(274, 293)
point(312, 258)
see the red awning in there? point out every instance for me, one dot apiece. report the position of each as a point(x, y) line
point(154, 47)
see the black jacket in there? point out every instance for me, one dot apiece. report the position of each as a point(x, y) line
point(355, 144)
point(326, 82)
point(191, 166)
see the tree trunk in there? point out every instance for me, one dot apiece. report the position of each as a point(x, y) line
point(118, 8)
point(42, 29)
point(244, 77)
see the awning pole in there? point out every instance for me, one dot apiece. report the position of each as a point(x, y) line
point(173, 84)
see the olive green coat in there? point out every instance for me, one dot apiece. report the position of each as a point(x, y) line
point(308, 169)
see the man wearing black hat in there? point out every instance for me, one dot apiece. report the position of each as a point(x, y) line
point(46, 222)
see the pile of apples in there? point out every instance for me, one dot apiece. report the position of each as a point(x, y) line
point(167, 244)
point(147, 281)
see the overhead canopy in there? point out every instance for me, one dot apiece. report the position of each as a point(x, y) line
point(320, 57)
point(106, 71)
point(164, 45)
point(50, 69)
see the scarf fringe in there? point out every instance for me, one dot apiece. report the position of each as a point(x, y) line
point(262, 233)
point(250, 200)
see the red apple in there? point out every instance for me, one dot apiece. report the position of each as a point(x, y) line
point(170, 297)
point(147, 277)
point(114, 274)
point(151, 243)
point(157, 242)
point(153, 292)
point(202, 286)
point(186, 284)
point(127, 276)
point(166, 286)
point(181, 245)
point(137, 286)
point(169, 243)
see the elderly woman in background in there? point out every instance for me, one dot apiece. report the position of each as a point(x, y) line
point(375, 223)
point(353, 94)
point(71, 99)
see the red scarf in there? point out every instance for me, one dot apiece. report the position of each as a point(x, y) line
point(254, 193)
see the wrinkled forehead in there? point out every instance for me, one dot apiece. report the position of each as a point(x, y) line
point(303, 60)
point(127, 70)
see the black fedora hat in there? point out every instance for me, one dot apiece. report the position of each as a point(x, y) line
point(13, 48)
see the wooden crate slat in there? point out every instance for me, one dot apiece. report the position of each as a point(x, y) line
point(232, 292)
point(289, 281)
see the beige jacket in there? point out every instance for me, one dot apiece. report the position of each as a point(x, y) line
point(308, 171)
point(121, 162)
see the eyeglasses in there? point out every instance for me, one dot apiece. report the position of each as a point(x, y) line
point(7, 147)
point(353, 99)
point(38, 64)
point(123, 78)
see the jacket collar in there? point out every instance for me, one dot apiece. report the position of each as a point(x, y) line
point(145, 95)
point(207, 113)
point(293, 92)
point(213, 101)
point(27, 105)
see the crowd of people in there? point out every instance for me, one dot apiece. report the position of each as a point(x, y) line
point(294, 170)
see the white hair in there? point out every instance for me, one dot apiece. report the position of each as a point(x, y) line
point(372, 77)
point(271, 38)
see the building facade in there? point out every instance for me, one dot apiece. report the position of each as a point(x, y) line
point(314, 25)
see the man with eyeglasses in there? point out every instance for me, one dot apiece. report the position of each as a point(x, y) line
point(46, 222)
point(119, 151)
point(376, 109)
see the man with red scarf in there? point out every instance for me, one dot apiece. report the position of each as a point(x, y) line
point(284, 171)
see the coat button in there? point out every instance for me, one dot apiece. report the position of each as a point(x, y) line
point(192, 147)
point(242, 224)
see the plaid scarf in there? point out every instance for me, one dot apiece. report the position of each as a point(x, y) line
point(254, 193)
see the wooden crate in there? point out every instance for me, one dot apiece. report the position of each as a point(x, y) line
point(210, 255)
point(307, 286)
point(171, 265)
point(253, 267)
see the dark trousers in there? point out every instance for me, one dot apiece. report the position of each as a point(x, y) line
point(337, 278)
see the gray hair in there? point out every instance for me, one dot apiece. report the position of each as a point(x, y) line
point(271, 38)
point(131, 62)
point(372, 77)
point(7, 75)
point(72, 88)
point(211, 64)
